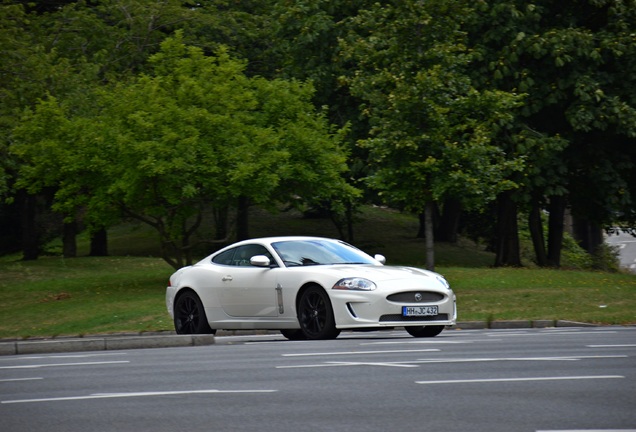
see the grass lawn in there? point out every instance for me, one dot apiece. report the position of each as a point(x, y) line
point(55, 296)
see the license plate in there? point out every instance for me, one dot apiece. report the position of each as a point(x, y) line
point(419, 310)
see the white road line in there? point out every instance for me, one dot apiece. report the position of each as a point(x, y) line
point(416, 363)
point(477, 360)
point(37, 366)
point(20, 379)
point(357, 353)
point(40, 357)
point(489, 380)
point(427, 342)
point(552, 333)
point(611, 346)
point(589, 430)
point(135, 394)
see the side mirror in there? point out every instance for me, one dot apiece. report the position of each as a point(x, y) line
point(259, 261)
point(380, 258)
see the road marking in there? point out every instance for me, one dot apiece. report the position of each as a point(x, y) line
point(416, 363)
point(552, 333)
point(20, 379)
point(331, 364)
point(431, 342)
point(70, 356)
point(477, 360)
point(589, 430)
point(134, 394)
point(489, 380)
point(611, 346)
point(357, 353)
point(36, 366)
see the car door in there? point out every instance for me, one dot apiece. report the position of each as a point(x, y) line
point(246, 290)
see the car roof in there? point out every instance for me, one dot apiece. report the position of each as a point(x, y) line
point(275, 239)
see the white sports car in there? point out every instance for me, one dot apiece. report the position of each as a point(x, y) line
point(308, 288)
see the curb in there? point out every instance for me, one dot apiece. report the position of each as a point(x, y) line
point(106, 343)
point(172, 340)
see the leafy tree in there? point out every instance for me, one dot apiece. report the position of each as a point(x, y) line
point(431, 132)
point(68, 49)
point(195, 133)
point(575, 61)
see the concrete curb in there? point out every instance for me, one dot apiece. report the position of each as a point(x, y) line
point(106, 343)
point(171, 340)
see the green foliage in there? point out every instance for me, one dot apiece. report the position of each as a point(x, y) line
point(433, 135)
point(194, 133)
point(575, 61)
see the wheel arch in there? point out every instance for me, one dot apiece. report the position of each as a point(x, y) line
point(304, 287)
point(181, 292)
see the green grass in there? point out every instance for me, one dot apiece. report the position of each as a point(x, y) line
point(54, 296)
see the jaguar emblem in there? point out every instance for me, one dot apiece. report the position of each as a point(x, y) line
point(418, 297)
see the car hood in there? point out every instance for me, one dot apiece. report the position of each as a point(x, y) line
point(387, 273)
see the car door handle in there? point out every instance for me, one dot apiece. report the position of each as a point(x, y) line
point(226, 278)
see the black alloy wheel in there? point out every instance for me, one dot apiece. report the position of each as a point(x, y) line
point(425, 331)
point(189, 315)
point(315, 315)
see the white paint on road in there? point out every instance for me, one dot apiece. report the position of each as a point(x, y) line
point(20, 379)
point(492, 380)
point(357, 353)
point(37, 366)
point(416, 363)
point(134, 394)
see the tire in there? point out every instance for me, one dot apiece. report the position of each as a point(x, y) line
point(424, 331)
point(189, 315)
point(293, 334)
point(315, 315)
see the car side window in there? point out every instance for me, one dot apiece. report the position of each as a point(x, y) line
point(224, 258)
point(240, 256)
point(245, 253)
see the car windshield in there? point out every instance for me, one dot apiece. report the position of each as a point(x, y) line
point(319, 252)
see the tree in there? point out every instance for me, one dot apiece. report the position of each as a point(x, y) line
point(431, 132)
point(575, 61)
point(68, 49)
point(196, 133)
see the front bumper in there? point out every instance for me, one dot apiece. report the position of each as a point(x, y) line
point(356, 310)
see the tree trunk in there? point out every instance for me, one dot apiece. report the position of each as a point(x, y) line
point(556, 209)
point(69, 243)
point(535, 225)
point(430, 241)
point(448, 224)
point(242, 218)
point(589, 235)
point(220, 222)
point(507, 236)
point(29, 234)
point(99, 243)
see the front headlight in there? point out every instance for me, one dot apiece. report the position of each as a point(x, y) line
point(354, 284)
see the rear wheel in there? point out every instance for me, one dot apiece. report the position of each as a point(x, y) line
point(424, 331)
point(315, 315)
point(189, 315)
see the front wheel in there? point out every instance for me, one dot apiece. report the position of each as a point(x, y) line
point(315, 315)
point(189, 315)
point(424, 331)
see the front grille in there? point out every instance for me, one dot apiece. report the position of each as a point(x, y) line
point(409, 297)
point(400, 318)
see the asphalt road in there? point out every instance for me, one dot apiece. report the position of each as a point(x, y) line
point(557, 379)
point(626, 244)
